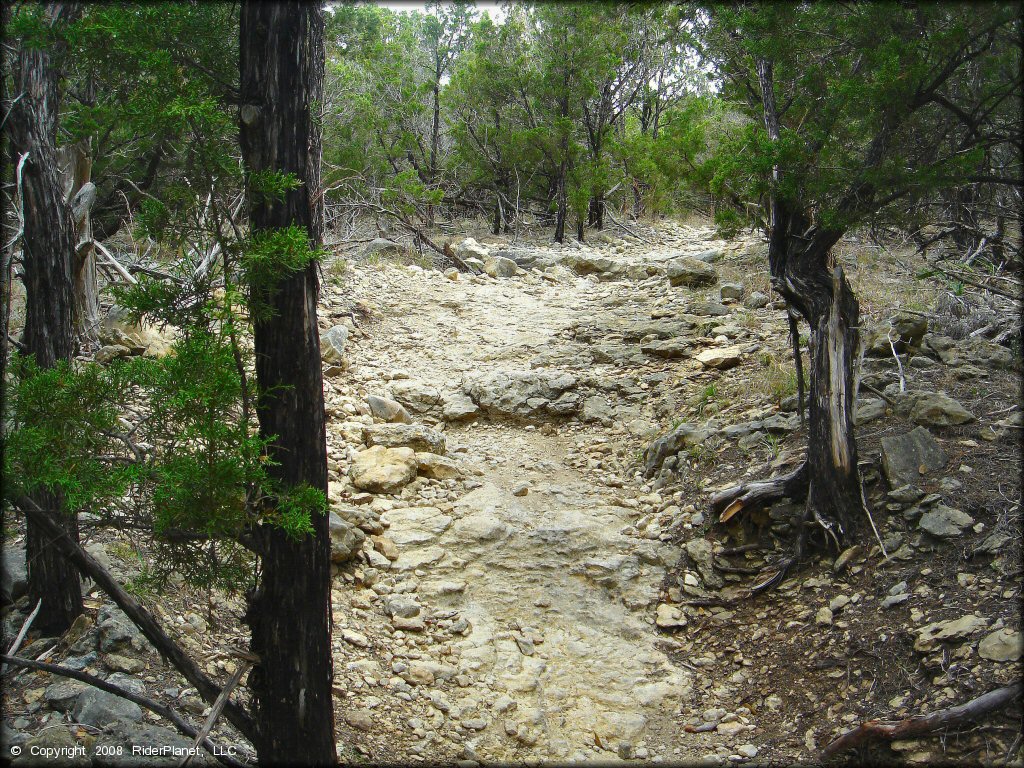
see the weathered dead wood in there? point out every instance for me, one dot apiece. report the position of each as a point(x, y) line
point(141, 617)
point(749, 496)
point(891, 730)
point(218, 707)
point(21, 635)
point(153, 706)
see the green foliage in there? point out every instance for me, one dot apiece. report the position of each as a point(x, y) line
point(62, 420)
point(270, 256)
point(293, 511)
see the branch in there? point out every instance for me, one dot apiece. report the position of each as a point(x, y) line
point(914, 726)
point(153, 706)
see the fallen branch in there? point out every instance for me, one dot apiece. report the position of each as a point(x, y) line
point(141, 617)
point(891, 730)
point(153, 706)
point(218, 707)
point(21, 635)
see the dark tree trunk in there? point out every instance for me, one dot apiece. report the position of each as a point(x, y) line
point(48, 251)
point(809, 277)
point(596, 211)
point(561, 195)
point(496, 229)
point(282, 59)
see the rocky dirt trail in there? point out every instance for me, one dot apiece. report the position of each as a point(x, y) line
point(537, 554)
point(525, 569)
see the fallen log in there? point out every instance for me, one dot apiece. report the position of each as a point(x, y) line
point(890, 730)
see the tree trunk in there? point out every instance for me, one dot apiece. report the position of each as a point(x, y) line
point(80, 194)
point(807, 277)
point(48, 251)
point(496, 229)
point(563, 203)
point(282, 60)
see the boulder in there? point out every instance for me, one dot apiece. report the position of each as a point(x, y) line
point(683, 436)
point(690, 272)
point(720, 357)
point(388, 410)
point(332, 345)
point(346, 539)
point(471, 249)
point(415, 436)
point(928, 637)
point(1002, 645)
point(528, 257)
point(118, 328)
point(907, 458)
point(756, 300)
point(14, 574)
point(670, 349)
point(938, 409)
point(383, 470)
point(731, 291)
point(499, 266)
point(868, 410)
point(945, 522)
point(99, 708)
point(437, 467)
point(524, 394)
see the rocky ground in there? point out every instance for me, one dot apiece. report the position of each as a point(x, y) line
point(527, 568)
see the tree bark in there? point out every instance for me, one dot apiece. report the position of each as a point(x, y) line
point(282, 61)
point(80, 194)
point(48, 252)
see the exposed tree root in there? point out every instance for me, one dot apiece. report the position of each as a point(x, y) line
point(914, 726)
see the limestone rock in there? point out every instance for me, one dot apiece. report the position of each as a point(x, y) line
point(939, 410)
point(346, 538)
point(907, 458)
point(669, 616)
point(388, 410)
point(690, 272)
point(117, 328)
point(99, 708)
point(14, 576)
point(720, 358)
point(1002, 645)
point(945, 522)
point(415, 436)
point(499, 266)
point(590, 264)
point(437, 467)
point(929, 636)
point(524, 394)
point(332, 345)
point(383, 470)
point(111, 352)
point(470, 249)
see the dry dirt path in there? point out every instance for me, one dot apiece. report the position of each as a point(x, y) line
point(538, 551)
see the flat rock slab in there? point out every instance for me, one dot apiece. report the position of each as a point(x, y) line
point(720, 358)
point(907, 458)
